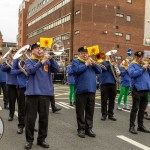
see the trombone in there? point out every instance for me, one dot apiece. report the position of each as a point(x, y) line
point(95, 56)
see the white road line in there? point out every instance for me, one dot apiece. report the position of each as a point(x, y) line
point(62, 105)
point(66, 104)
point(97, 107)
point(98, 104)
point(0, 108)
point(139, 145)
point(61, 98)
point(16, 113)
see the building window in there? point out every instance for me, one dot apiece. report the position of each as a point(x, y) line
point(129, 1)
point(119, 15)
point(77, 12)
point(118, 34)
point(128, 37)
point(128, 18)
point(77, 32)
point(118, 45)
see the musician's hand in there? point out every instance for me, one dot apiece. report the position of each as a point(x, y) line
point(118, 74)
point(45, 58)
point(145, 66)
point(88, 62)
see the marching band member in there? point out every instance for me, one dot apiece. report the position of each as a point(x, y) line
point(3, 84)
point(146, 115)
point(11, 81)
point(108, 91)
point(140, 85)
point(124, 84)
point(38, 91)
point(17, 69)
point(52, 98)
point(71, 82)
point(85, 88)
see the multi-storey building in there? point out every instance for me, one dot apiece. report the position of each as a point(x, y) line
point(5, 46)
point(111, 24)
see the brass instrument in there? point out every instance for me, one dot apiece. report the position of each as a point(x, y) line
point(22, 54)
point(145, 62)
point(95, 56)
point(125, 64)
point(57, 47)
point(8, 58)
point(113, 64)
point(97, 59)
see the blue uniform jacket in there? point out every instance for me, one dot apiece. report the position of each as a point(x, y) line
point(39, 80)
point(140, 78)
point(70, 76)
point(125, 79)
point(2, 75)
point(85, 77)
point(11, 79)
point(21, 77)
point(107, 76)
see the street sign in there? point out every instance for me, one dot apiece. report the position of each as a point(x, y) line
point(129, 52)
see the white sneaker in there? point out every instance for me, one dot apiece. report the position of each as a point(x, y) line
point(126, 108)
point(119, 108)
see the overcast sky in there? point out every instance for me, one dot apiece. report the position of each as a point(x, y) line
point(9, 19)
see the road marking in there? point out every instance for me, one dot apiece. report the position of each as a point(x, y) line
point(58, 103)
point(61, 94)
point(0, 108)
point(16, 113)
point(66, 104)
point(98, 104)
point(139, 145)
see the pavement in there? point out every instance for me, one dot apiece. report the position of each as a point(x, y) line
point(62, 131)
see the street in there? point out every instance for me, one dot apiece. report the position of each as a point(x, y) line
point(62, 132)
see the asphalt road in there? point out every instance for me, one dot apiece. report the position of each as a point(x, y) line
point(62, 132)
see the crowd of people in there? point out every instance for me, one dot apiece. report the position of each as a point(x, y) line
point(29, 82)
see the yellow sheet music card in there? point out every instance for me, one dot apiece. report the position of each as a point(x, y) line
point(93, 50)
point(46, 42)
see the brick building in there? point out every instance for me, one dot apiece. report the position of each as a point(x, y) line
point(1, 41)
point(112, 24)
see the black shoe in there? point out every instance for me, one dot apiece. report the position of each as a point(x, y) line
point(146, 116)
point(56, 109)
point(90, 133)
point(43, 144)
point(6, 107)
point(112, 118)
point(10, 118)
point(81, 133)
point(132, 130)
point(20, 130)
point(28, 145)
point(143, 129)
point(103, 118)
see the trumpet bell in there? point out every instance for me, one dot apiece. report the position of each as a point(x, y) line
point(57, 47)
point(21, 51)
point(111, 52)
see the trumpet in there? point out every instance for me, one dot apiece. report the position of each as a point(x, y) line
point(145, 64)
